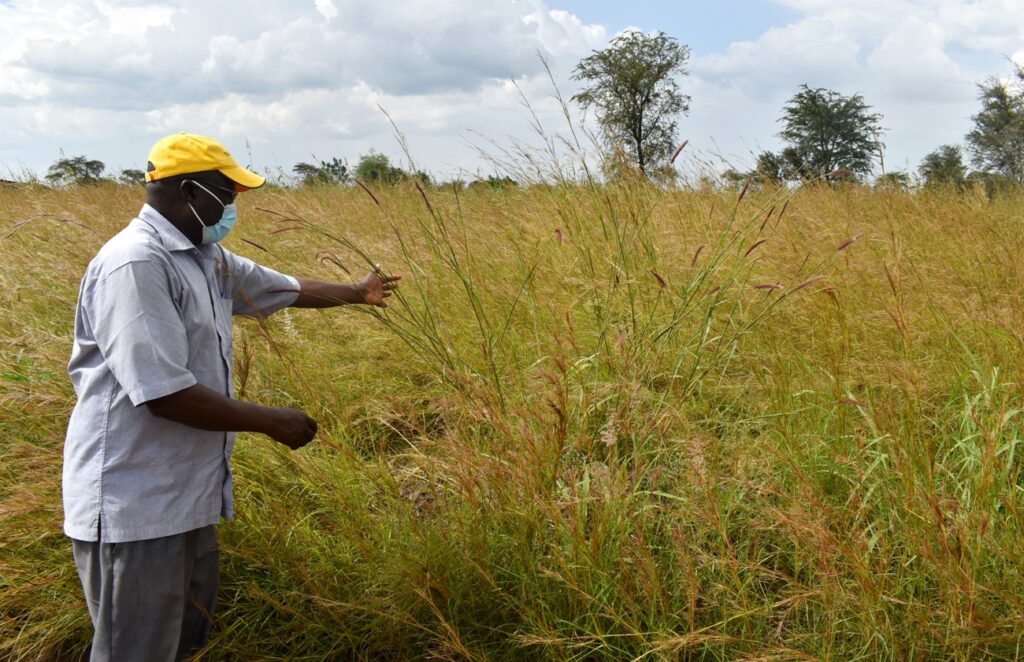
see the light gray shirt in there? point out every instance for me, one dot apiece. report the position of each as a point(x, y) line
point(154, 317)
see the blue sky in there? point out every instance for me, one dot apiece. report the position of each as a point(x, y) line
point(289, 80)
point(706, 27)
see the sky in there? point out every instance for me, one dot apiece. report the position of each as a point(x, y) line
point(284, 81)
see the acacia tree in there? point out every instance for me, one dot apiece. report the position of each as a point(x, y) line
point(632, 85)
point(827, 131)
point(996, 143)
point(75, 170)
point(327, 173)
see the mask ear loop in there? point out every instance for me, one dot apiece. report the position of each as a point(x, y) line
point(181, 188)
point(208, 191)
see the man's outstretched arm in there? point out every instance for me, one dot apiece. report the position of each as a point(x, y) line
point(373, 290)
point(200, 407)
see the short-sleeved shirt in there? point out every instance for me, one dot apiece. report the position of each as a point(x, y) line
point(153, 318)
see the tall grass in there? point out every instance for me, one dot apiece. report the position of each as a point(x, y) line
point(598, 422)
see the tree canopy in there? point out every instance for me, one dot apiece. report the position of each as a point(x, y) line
point(898, 181)
point(327, 173)
point(74, 171)
point(770, 168)
point(826, 132)
point(131, 177)
point(376, 168)
point(944, 166)
point(633, 86)
point(996, 143)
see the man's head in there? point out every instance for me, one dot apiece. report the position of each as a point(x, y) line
point(194, 178)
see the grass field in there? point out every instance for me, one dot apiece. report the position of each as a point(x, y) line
point(600, 423)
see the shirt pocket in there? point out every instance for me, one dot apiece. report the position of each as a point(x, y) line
point(224, 279)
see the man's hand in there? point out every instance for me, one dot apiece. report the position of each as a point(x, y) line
point(377, 286)
point(291, 427)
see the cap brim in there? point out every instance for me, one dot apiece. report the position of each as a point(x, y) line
point(243, 179)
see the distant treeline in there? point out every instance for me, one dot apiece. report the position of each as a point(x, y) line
point(372, 168)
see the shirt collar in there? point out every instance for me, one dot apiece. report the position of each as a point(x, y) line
point(170, 236)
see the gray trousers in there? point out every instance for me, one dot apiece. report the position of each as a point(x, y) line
point(150, 600)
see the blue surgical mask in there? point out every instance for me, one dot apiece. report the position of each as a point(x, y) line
point(214, 233)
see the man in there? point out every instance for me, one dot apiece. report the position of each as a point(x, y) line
point(146, 459)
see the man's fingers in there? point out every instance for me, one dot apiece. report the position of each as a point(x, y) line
point(386, 278)
point(375, 294)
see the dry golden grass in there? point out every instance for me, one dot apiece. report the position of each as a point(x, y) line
point(615, 423)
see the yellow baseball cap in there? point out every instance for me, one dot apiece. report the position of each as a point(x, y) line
point(185, 153)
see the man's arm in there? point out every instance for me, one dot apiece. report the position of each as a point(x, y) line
point(200, 407)
point(322, 294)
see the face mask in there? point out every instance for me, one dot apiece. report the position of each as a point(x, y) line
point(214, 233)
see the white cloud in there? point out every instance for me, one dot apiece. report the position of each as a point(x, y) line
point(132, 20)
point(806, 52)
point(911, 63)
point(991, 25)
point(203, 51)
point(872, 43)
point(563, 33)
point(326, 8)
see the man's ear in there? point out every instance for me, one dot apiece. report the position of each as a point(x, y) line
point(188, 190)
